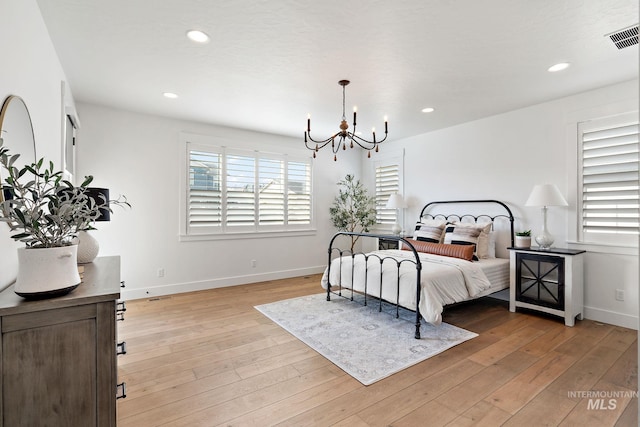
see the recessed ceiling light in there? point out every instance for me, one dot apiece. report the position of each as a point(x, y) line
point(170, 95)
point(197, 36)
point(558, 67)
point(428, 110)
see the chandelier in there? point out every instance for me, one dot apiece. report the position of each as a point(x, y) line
point(341, 138)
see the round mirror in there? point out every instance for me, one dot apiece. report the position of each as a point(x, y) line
point(17, 132)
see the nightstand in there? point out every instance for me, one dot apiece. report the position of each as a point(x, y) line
point(547, 280)
point(386, 243)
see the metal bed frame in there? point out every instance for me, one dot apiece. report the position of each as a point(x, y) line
point(416, 261)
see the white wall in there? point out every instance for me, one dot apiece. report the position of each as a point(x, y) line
point(504, 156)
point(138, 155)
point(30, 69)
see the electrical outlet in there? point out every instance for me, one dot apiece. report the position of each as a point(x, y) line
point(254, 263)
point(619, 295)
point(161, 272)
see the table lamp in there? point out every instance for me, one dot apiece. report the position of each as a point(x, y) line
point(545, 195)
point(88, 246)
point(396, 202)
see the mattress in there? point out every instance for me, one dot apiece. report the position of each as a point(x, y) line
point(497, 271)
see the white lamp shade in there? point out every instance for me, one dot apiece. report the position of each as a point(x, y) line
point(546, 195)
point(395, 202)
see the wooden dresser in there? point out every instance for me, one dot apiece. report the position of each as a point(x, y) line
point(58, 356)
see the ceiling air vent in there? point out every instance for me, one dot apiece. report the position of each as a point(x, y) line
point(625, 37)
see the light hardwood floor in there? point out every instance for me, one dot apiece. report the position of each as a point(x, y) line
point(209, 358)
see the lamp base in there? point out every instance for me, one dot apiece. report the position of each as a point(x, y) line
point(88, 247)
point(544, 240)
point(396, 229)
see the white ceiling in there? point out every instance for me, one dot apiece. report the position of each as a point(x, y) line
point(271, 62)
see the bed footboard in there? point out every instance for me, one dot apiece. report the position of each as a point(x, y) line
point(335, 252)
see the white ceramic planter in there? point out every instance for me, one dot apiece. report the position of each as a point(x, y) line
point(523, 242)
point(47, 272)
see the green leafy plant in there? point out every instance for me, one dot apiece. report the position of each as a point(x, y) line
point(46, 210)
point(353, 209)
point(526, 233)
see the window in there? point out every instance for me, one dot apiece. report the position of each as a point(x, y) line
point(205, 190)
point(609, 194)
point(233, 191)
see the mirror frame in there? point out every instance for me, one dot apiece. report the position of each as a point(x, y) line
point(8, 102)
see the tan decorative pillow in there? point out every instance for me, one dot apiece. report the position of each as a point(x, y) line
point(454, 251)
point(476, 235)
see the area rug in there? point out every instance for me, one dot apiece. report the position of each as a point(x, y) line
point(364, 343)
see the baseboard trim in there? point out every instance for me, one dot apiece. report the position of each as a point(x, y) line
point(177, 288)
point(596, 314)
point(611, 317)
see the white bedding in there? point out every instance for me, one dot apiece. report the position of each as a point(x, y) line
point(445, 280)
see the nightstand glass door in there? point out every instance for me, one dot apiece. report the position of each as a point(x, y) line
point(540, 280)
point(387, 243)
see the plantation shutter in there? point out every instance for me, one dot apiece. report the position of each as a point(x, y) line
point(245, 191)
point(204, 195)
point(299, 192)
point(271, 199)
point(387, 183)
point(610, 196)
point(240, 190)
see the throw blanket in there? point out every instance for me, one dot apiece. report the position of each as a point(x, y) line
point(444, 280)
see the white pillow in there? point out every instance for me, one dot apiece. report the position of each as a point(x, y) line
point(492, 244)
point(429, 230)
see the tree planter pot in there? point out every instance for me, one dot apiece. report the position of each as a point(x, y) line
point(523, 242)
point(47, 272)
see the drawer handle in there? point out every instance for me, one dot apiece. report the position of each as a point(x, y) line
point(121, 307)
point(121, 348)
point(121, 390)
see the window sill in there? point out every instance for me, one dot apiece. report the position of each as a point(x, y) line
point(606, 248)
point(245, 235)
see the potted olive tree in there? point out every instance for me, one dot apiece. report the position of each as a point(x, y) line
point(353, 209)
point(46, 212)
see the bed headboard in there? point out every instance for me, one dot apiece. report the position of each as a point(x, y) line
point(494, 211)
